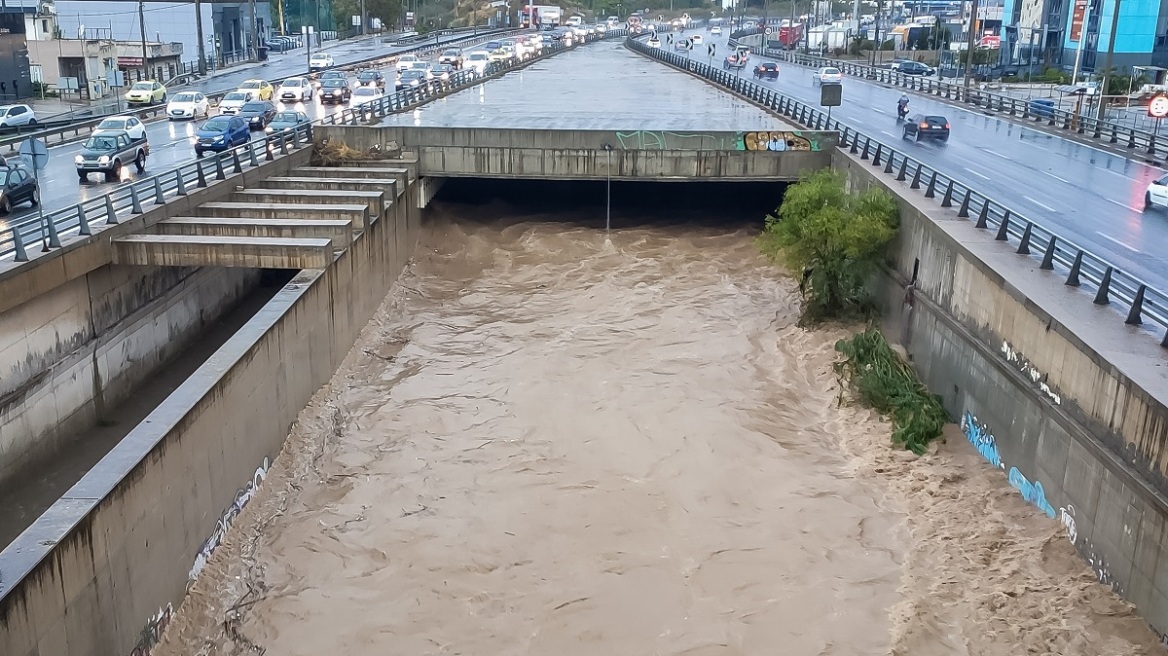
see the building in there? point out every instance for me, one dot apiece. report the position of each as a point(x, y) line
point(15, 73)
point(90, 61)
point(1141, 34)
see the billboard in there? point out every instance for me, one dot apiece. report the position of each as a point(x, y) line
point(1078, 18)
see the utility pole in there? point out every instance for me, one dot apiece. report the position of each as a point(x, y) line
point(1107, 65)
point(142, 25)
point(199, 29)
point(255, 33)
point(969, 44)
point(364, 19)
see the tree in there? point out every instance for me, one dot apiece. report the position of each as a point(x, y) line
point(833, 240)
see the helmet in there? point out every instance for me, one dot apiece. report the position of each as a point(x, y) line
point(904, 97)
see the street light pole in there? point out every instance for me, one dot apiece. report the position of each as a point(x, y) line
point(970, 44)
point(142, 26)
point(199, 29)
point(1107, 65)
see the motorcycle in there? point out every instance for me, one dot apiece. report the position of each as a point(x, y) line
point(901, 111)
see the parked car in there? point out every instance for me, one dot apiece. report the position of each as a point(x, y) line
point(927, 128)
point(16, 115)
point(187, 104)
point(17, 185)
point(106, 153)
point(220, 133)
point(371, 79)
point(130, 124)
point(234, 101)
point(827, 75)
point(295, 89)
point(146, 93)
point(320, 61)
point(335, 91)
point(261, 89)
point(452, 56)
point(287, 120)
point(258, 113)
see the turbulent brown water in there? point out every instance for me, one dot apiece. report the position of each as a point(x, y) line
point(549, 441)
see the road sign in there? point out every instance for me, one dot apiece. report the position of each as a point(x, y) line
point(1158, 108)
point(34, 151)
point(769, 31)
point(710, 50)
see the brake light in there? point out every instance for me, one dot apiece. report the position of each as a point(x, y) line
point(946, 126)
point(925, 125)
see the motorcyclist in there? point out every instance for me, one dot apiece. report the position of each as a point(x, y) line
point(902, 105)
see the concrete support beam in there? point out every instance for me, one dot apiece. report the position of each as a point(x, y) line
point(249, 252)
point(375, 200)
point(341, 183)
point(358, 214)
point(402, 175)
point(340, 231)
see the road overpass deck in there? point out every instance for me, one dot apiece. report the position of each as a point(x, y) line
point(601, 87)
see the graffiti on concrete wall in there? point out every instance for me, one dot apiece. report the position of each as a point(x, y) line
point(665, 140)
point(152, 632)
point(778, 141)
point(242, 497)
point(981, 438)
point(1031, 491)
point(1067, 517)
point(1030, 371)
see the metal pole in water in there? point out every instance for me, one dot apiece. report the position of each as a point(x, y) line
point(608, 192)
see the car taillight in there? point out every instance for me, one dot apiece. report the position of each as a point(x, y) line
point(946, 126)
point(925, 126)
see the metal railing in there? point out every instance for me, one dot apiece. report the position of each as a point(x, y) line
point(127, 200)
point(1110, 284)
point(1146, 142)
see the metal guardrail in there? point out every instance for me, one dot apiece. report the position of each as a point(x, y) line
point(128, 200)
point(1111, 284)
point(71, 131)
point(1146, 141)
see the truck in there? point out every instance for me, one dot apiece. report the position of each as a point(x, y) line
point(107, 151)
point(789, 36)
point(543, 16)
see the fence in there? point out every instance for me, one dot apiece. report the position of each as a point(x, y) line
point(1083, 268)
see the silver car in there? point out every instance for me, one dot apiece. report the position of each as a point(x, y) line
point(827, 75)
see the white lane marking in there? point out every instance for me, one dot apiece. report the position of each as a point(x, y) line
point(995, 154)
point(1123, 205)
point(1060, 179)
point(878, 111)
point(1117, 242)
point(889, 133)
point(1044, 206)
point(980, 175)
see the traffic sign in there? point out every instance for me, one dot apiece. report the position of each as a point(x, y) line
point(711, 50)
point(1158, 108)
point(769, 31)
point(34, 150)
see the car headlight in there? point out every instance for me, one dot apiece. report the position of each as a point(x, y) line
point(104, 159)
point(79, 159)
point(194, 140)
point(219, 138)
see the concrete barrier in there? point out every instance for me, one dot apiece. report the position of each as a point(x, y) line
point(103, 567)
point(1069, 406)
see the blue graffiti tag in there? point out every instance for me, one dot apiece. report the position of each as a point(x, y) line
point(982, 439)
point(1032, 492)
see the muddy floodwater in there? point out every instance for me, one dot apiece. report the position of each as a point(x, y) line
point(555, 441)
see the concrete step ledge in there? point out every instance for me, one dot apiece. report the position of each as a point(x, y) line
point(383, 185)
point(375, 200)
point(248, 252)
point(357, 213)
point(340, 231)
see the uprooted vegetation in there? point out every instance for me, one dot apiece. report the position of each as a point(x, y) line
point(338, 153)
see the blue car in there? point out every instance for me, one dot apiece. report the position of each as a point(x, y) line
point(219, 134)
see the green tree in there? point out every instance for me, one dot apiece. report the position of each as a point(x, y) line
point(834, 240)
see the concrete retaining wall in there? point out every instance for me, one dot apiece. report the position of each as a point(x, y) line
point(113, 556)
point(1051, 389)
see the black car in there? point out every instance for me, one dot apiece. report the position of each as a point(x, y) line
point(371, 78)
point(914, 68)
point(257, 113)
point(923, 128)
point(766, 71)
point(17, 185)
point(335, 90)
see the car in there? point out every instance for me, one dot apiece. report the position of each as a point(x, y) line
point(406, 61)
point(257, 113)
point(17, 185)
point(413, 79)
point(452, 56)
point(717, 29)
point(696, 39)
point(295, 89)
point(331, 75)
point(924, 127)
point(187, 104)
point(287, 120)
point(766, 71)
point(654, 42)
point(261, 89)
point(220, 133)
point(442, 72)
point(1157, 193)
point(146, 93)
point(499, 54)
point(478, 60)
point(335, 91)
point(827, 75)
point(132, 125)
point(912, 68)
point(15, 115)
point(424, 66)
point(362, 95)
point(371, 79)
point(320, 61)
point(680, 45)
point(106, 153)
point(233, 101)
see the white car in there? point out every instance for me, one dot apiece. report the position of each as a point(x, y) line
point(424, 66)
point(478, 61)
point(1157, 193)
point(187, 104)
point(294, 90)
point(654, 43)
point(827, 75)
point(234, 101)
point(362, 95)
point(696, 39)
point(717, 29)
point(13, 115)
point(405, 62)
point(319, 61)
point(131, 124)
